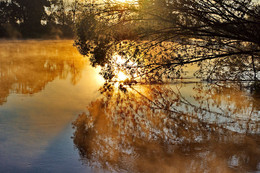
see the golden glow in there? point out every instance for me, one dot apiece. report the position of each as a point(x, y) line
point(124, 1)
point(119, 60)
point(121, 76)
point(120, 63)
point(31, 72)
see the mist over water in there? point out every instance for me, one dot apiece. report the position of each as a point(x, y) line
point(54, 119)
point(44, 85)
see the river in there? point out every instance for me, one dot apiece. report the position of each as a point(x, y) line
point(54, 119)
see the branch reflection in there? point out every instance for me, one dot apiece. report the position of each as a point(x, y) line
point(169, 128)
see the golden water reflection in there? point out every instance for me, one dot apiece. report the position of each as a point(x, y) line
point(171, 128)
point(43, 85)
point(26, 67)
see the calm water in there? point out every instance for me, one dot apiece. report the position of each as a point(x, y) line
point(44, 85)
point(53, 119)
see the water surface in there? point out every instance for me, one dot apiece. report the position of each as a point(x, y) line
point(44, 85)
point(53, 119)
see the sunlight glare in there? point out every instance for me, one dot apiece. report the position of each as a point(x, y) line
point(121, 76)
point(120, 65)
point(119, 59)
point(124, 1)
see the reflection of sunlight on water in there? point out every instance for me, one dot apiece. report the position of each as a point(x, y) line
point(100, 80)
point(43, 85)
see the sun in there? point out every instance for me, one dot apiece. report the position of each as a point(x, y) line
point(122, 76)
point(120, 67)
point(119, 60)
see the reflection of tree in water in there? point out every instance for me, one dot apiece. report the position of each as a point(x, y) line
point(27, 67)
point(160, 129)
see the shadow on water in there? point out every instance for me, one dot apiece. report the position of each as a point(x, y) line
point(171, 128)
point(26, 68)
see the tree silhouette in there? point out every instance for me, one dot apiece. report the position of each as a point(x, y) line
point(10, 13)
point(31, 19)
point(151, 41)
point(164, 36)
point(32, 13)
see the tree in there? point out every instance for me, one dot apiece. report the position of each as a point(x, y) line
point(10, 16)
point(32, 14)
point(160, 37)
point(61, 17)
point(25, 16)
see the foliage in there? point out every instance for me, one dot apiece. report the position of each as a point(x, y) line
point(41, 18)
point(161, 37)
point(155, 41)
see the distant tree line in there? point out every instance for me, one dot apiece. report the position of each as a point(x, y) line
point(38, 18)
